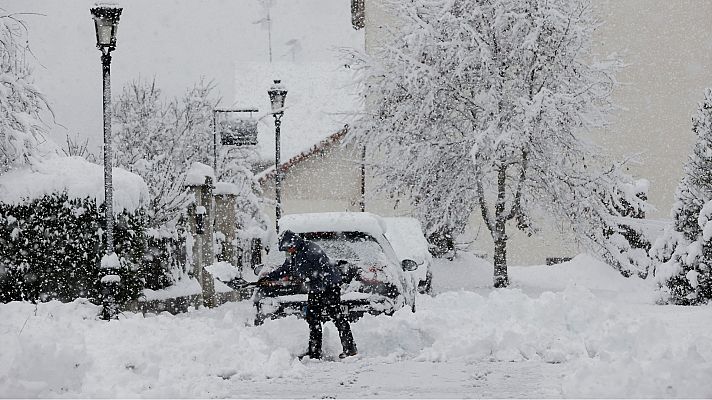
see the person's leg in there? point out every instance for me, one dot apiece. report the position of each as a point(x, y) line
point(333, 298)
point(313, 318)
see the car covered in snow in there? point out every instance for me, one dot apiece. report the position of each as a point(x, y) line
point(374, 279)
point(408, 241)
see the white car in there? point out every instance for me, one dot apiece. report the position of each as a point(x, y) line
point(374, 279)
point(408, 240)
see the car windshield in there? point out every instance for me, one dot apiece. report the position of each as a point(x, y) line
point(355, 247)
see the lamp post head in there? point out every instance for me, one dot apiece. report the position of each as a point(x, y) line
point(277, 94)
point(106, 22)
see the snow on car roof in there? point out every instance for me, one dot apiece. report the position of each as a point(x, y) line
point(406, 237)
point(334, 222)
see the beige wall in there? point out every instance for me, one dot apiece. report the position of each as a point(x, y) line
point(668, 46)
point(327, 181)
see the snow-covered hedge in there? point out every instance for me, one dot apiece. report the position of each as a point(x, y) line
point(51, 248)
point(51, 230)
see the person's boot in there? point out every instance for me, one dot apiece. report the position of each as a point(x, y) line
point(309, 354)
point(348, 352)
point(314, 353)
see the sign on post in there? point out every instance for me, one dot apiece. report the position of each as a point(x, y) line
point(238, 132)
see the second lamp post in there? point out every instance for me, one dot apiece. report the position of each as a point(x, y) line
point(277, 93)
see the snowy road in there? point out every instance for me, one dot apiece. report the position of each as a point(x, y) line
point(576, 330)
point(411, 379)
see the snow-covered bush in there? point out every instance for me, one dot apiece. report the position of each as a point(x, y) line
point(165, 260)
point(627, 239)
point(51, 248)
point(487, 107)
point(21, 102)
point(685, 250)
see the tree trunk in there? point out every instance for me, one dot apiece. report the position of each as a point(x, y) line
point(500, 235)
point(501, 279)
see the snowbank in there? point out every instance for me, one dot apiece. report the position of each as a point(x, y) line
point(609, 349)
point(583, 270)
point(62, 350)
point(78, 177)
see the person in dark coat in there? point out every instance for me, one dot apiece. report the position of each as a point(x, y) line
point(309, 263)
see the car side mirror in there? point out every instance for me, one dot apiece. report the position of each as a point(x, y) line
point(409, 265)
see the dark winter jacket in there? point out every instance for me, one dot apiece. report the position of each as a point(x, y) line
point(309, 263)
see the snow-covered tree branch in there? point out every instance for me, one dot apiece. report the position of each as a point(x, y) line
point(21, 102)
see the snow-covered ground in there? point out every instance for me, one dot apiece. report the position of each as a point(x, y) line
point(572, 330)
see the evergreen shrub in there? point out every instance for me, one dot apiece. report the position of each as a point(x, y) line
point(684, 252)
point(165, 257)
point(51, 248)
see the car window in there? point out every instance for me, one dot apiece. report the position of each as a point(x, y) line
point(356, 247)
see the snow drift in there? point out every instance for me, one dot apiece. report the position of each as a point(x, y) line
point(55, 349)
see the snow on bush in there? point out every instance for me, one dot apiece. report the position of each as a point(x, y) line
point(77, 177)
point(51, 248)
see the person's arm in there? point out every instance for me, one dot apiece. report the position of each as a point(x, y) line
point(278, 273)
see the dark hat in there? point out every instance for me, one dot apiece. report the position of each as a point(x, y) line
point(289, 239)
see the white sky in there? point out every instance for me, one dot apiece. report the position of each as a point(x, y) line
point(177, 41)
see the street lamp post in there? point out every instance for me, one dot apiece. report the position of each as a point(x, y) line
point(277, 94)
point(106, 22)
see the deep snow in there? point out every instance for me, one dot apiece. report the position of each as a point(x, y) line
point(572, 330)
